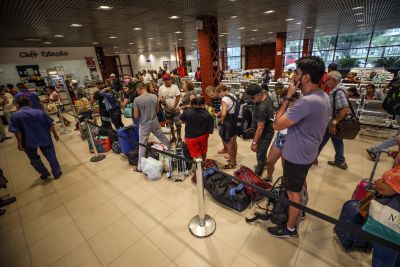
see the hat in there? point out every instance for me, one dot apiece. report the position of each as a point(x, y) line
point(332, 66)
point(253, 89)
point(166, 77)
point(74, 81)
point(279, 85)
point(112, 75)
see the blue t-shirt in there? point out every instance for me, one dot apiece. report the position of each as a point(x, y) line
point(34, 126)
point(32, 96)
point(311, 114)
point(109, 100)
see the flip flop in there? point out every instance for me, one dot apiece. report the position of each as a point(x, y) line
point(229, 166)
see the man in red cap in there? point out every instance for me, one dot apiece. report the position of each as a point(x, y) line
point(169, 96)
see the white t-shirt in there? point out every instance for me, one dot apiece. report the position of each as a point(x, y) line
point(230, 105)
point(169, 94)
point(147, 78)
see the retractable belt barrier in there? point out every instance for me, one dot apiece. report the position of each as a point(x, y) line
point(357, 230)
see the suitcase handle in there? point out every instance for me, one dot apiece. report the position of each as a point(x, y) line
point(369, 185)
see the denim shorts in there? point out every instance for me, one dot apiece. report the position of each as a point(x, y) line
point(280, 140)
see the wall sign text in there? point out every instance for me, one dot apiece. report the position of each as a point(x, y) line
point(34, 54)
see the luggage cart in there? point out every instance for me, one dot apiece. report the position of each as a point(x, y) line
point(176, 169)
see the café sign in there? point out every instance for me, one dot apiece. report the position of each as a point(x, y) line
point(35, 54)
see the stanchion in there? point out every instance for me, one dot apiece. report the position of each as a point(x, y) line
point(97, 156)
point(64, 131)
point(201, 225)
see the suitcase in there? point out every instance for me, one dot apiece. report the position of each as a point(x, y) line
point(177, 170)
point(128, 138)
point(347, 239)
point(133, 157)
point(365, 185)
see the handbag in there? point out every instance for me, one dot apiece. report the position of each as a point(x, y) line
point(349, 126)
point(128, 111)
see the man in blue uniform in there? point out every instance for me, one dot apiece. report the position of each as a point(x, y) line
point(32, 128)
point(33, 97)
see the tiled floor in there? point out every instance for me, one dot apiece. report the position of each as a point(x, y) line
point(104, 214)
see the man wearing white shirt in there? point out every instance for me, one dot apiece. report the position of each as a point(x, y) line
point(147, 77)
point(169, 96)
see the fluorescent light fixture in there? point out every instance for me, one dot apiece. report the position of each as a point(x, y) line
point(357, 7)
point(137, 29)
point(309, 27)
point(239, 37)
point(359, 20)
point(233, 17)
point(316, 30)
point(225, 33)
point(52, 72)
point(298, 23)
point(32, 39)
point(105, 7)
point(158, 43)
point(253, 38)
point(58, 36)
point(177, 32)
point(116, 52)
point(131, 43)
point(194, 40)
point(359, 14)
point(174, 17)
point(242, 28)
point(151, 38)
point(269, 11)
point(113, 37)
point(221, 35)
point(95, 43)
point(289, 19)
point(75, 25)
point(47, 42)
point(180, 39)
point(270, 32)
point(254, 30)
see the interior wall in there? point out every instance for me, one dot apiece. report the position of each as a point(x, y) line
point(260, 56)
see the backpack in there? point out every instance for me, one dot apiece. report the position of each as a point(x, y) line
point(391, 103)
point(235, 115)
point(249, 176)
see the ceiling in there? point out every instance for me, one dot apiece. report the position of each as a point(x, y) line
point(43, 19)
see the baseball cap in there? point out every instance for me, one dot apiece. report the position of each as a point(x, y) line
point(166, 77)
point(112, 75)
point(74, 81)
point(253, 89)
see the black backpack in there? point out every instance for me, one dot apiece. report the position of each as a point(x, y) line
point(235, 115)
point(391, 103)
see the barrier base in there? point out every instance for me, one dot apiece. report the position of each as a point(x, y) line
point(202, 231)
point(98, 158)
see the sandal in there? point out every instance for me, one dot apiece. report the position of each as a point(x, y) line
point(229, 166)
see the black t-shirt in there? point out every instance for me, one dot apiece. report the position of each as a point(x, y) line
point(264, 112)
point(198, 122)
point(102, 107)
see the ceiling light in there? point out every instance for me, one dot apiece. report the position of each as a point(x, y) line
point(112, 37)
point(225, 33)
point(174, 17)
point(254, 30)
point(194, 40)
point(357, 7)
point(239, 37)
point(359, 20)
point(58, 36)
point(233, 17)
point(32, 39)
point(264, 40)
point(105, 7)
point(358, 14)
point(290, 36)
point(179, 39)
point(158, 43)
point(131, 43)
point(270, 32)
point(242, 28)
point(47, 42)
point(253, 38)
point(316, 30)
point(116, 52)
point(137, 29)
point(269, 11)
point(309, 27)
point(115, 46)
point(289, 19)
point(221, 35)
point(178, 32)
point(232, 0)
point(151, 38)
point(75, 25)
point(95, 43)
point(298, 23)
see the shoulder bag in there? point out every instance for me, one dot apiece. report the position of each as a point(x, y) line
point(349, 126)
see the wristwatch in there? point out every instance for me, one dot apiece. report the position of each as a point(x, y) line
point(334, 122)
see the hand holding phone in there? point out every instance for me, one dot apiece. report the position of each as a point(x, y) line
point(292, 89)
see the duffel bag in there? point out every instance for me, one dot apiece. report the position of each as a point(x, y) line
point(249, 176)
point(207, 164)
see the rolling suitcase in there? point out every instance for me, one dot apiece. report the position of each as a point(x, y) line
point(348, 240)
point(365, 185)
point(176, 168)
point(128, 138)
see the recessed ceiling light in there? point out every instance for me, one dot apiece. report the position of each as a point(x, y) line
point(298, 23)
point(112, 37)
point(357, 7)
point(137, 29)
point(115, 46)
point(289, 19)
point(179, 39)
point(58, 36)
point(358, 14)
point(316, 30)
point(270, 32)
point(178, 32)
point(233, 17)
point(194, 40)
point(32, 39)
point(309, 27)
point(105, 7)
point(269, 11)
point(224, 33)
point(151, 38)
point(221, 35)
point(359, 20)
point(254, 30)
point(239, 37)
point(253, 38)
point(232, 0)
point(158, 43)
point(95, 43)
point(116, 52)
point(242, 28)
point(174, 17)
point(131, 43)
point(47, 42)
point(75, 25)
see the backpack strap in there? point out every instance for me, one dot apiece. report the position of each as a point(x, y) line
point(235, 102)
point(334, 102)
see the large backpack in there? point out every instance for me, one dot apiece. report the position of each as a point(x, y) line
point(235, 115)
point(391, 104)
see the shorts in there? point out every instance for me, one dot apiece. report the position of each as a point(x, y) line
point(197, 146)
point(173, 118)
point(279, 141)
point(295, 175)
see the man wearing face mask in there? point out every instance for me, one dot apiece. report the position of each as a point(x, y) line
point(306, 122)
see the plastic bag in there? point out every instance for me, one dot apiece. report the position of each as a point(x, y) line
point(152, 168)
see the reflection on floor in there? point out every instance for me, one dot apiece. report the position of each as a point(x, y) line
point(101, 214)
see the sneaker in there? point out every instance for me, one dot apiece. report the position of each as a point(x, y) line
point(371, 155)
point(7, 201)
point(44, 177)
point(342, 166)
point(57, 176)
point(282, 232)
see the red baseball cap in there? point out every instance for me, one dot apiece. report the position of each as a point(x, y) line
point(166, 77)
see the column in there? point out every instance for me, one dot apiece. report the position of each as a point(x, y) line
point(280, 50)
point(307, 47)
point(224, 58)
point(100, 58)
point(182, 67)
point(209, 52)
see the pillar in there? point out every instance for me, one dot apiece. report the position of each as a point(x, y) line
point(280, 49)
point(224, 58)
point(182, 66)
point(307, 47)
point(209, 52)
point(100, 58)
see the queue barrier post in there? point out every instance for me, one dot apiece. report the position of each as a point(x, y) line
point(64, 128)
point(201, 225)
point(97, 157)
